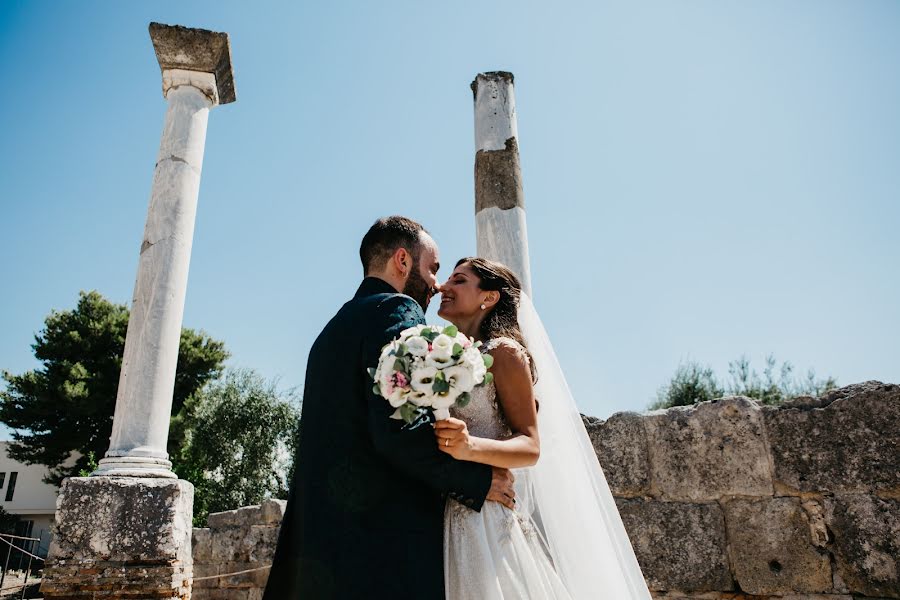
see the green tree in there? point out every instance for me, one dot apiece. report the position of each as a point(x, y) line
point(66, 405)
point(693, 383)
point(240, 437)
point(771, 389)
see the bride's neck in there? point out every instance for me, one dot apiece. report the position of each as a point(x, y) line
point(471, 326)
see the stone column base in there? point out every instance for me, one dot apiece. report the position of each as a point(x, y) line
point(121, 537)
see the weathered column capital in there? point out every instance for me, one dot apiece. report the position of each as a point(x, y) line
point(196, 57)
point(204, 82)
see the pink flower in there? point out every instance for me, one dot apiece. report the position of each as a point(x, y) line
point(398, 379)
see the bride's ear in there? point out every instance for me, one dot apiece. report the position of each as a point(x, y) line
point(492, 298)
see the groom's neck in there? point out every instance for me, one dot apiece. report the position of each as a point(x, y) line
point(393, 280)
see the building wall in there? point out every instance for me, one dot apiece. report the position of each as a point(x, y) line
point(32, 499)
point(723, 500)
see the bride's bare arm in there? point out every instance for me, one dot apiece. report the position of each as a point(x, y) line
point(515, 392)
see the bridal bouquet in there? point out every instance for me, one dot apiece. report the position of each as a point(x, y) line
point(426, 370)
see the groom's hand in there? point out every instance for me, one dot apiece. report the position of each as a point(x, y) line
point(502, 490)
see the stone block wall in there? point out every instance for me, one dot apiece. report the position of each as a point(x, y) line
point(730, 499)
point(723, 500)
point(236, 540)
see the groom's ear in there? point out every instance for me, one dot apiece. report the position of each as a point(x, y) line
point(402, 261)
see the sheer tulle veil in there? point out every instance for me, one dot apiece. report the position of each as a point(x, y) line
point(567, 493)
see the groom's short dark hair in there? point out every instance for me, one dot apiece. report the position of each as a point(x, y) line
point(385, 236)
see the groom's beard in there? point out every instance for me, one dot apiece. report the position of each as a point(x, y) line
point(417, 288)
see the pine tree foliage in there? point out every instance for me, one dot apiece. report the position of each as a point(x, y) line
point(66, 405)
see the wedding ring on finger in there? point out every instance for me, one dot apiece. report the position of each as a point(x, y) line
point(447, 442)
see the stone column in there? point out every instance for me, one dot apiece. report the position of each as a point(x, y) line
point(501, 231)
point(125, 532)
point(196, 74)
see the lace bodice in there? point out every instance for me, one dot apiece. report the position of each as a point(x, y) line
point(484, 415)
point(497, 553)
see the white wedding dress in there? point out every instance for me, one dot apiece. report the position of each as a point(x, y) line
point(565, 540)
point(496, 554)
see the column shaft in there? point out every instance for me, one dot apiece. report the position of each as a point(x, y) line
point(146, 383)
point(501, 230)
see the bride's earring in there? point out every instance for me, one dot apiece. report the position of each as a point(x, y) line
point(483, 307)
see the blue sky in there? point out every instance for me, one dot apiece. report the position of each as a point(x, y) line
point(703, 179)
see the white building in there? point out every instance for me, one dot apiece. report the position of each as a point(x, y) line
point(23, 493)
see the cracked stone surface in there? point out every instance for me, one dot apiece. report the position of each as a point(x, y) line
point(236, 540)
point(678, 545)
point(147, 379)
point(866, 542)
point(846, 441)
point(709, 450)
point(121, 537)
point(621, 446)
point(771, 549)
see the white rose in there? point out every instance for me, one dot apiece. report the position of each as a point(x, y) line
point(417, 345)
point(443, 344)
point(414, 330)
point(385, 370)
point(438, 360)
point(423, 379)
point(474, 360)
point(446, 400)
point(398, 397)
point(419, 399)
point(460, 377)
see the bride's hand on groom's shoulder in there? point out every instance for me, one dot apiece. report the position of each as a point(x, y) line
point(452, 436)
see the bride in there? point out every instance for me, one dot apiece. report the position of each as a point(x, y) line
point(565, 539)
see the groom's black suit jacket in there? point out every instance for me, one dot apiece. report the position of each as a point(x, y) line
point(364, 518)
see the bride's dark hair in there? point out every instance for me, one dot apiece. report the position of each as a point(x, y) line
point(502, 319)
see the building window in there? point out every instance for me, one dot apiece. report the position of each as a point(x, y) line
point(12, 485)
point(2, 479)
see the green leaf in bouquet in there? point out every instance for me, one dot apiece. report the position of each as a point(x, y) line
point(377, 389)
point(408, 412)
point(429, 334)
point(425, 332)
point(463, 400)
point(488, 361)
point(488, 378)
point(457, 350)
point(451, 330)
point(402, 349)
point(402, 365)
point(440, 385)
point(371, 371)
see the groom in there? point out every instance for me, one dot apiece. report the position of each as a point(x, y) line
point(364, 518)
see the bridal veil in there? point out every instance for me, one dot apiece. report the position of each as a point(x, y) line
point(567, 493)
